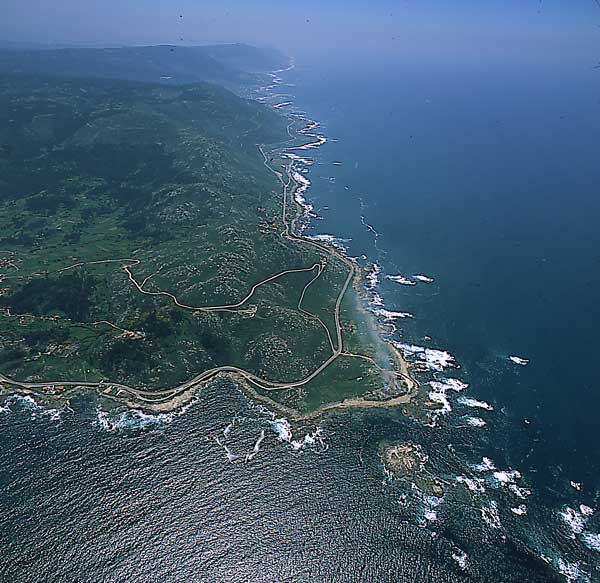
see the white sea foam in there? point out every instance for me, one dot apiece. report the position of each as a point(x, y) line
point(449, 384)
point(302, 180)
point(232, 457)
point(474, 403)
point(304, 184)
point(474, 421)
point(437, 360)
point(473, 484)
point(401, 279)
point(461, 559)
point(577, 520)
point(591, 540)
point(131, 419)
point(441, 399)
point(577, 485)
point(389, 315)
point(309, 440)
point(228, 429)
point(185, 408)
point(410, 349)
point(504, 478)
point(376, 299)
point(486, 465)
point(490, 514)
point(430, 512)
point(571, 571)
point(520, 510)
point(299, 159)
point(519, 492)
point(338, 242)
point(423, 278)
point(366, 224)
point(439, 395)
point(29, 404)
point(318, 142)
point(25, 401)
point(256, 447)
point(507, 477)
point(53, 414)
point(283, 429)
point(222, 442)
point(574, 519)
point(433, 501)
point(373, 276)
point(518, 360)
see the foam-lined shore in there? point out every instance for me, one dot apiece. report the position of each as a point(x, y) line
point(299, 167)
point(307, 137)
point(500, 494)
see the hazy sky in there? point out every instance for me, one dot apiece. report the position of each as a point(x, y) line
point(536, 29)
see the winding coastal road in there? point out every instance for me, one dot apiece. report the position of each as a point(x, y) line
point(146, 397)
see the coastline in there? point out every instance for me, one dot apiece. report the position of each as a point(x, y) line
point(296, 170)
point(172, 399)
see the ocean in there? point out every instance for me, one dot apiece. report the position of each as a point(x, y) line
point(481, 180)
point(487, 181)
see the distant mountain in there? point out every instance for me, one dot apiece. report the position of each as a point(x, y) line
point(229, 65)
point(28, 46)
point(246, 57)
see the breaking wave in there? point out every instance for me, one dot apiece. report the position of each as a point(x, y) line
point(461, 559)
point(437, 360)
point(389, 315)
point(26, 403)
point(401, 279)
point(473, 484)
point(283, 429)
point(373, 277)
point(576, 520)
point(474, 403)
point(132, 419)
point(439, 395)
point(490, 515)
point(474, 421)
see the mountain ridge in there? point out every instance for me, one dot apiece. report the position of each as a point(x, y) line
point(231, 65)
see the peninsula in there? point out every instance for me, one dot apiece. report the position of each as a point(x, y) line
point(148, 245)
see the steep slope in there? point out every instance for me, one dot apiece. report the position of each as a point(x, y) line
point(229, 65)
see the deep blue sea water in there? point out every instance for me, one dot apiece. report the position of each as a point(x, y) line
point(482, 177)
point(488, 180)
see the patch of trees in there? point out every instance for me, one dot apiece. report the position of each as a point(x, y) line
point(12, 354)
point(116, 163)
point(48, 203)
point(216, 344)
point(125, 356)
point(70, 295)
point(155, 325)
point(41, 338)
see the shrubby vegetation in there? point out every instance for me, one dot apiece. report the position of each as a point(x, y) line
point(168, 180)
